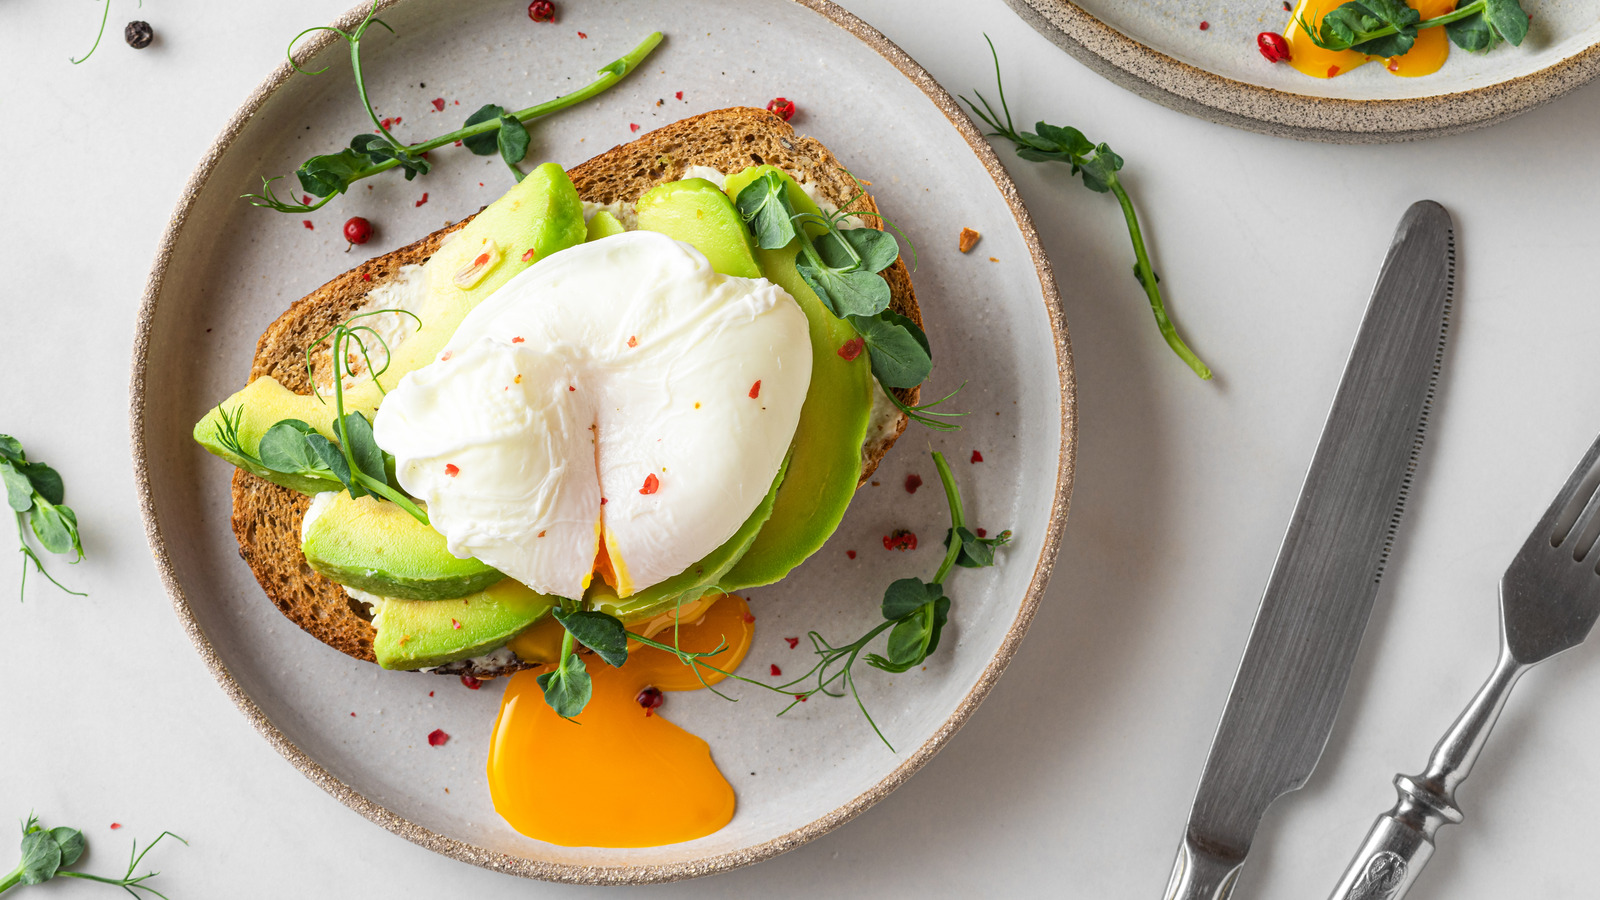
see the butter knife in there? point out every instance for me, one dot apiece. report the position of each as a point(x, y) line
point(1295, 667)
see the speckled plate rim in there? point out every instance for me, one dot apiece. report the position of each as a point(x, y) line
point(1197, 92)
point(532, 868)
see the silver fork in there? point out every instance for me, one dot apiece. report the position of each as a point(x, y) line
point(1549, 600)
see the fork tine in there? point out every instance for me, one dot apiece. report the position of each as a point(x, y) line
point(1585, 530)
point(1567, 495)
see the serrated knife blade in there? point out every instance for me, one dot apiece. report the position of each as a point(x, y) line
point(1295, 667)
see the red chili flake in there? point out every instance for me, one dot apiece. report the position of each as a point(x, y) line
point(1332, 71)
point(755, 389)
point(680, 95)
point(437, 737)
point(749, 617)
point(458, 143)
point(651, 484)
point(850, 553)
point(900, 539)
point(471, 683)
point(115, 825)
point(793, 642)
point(518, 340)
point(650, 698)
point(633, 340)
point(800, 697)
point(1205, 26)
point(308, 225)
point(365, 277)
point(482, 260)
point(776, 671)
point(1394, 64)
point(386, 123)
point(1286, 7)
point(633, 126)
point(352, 715)
point(783, 109)
point(528, 257)
point(424, 198)
point(571, 388)
point(852, 348)
point(583, 36)
point(430, 693)
point(603, 501)
point(913, 481)
point(542, 11)
point(438, 104)
point(983, 532)
point(446, 355)
point(1273, 46)
point(452, 469)
point(977, 457)
point(454, 624)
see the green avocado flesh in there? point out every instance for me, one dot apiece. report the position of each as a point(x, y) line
point(379, 548)
point(825, 462)
point(414, 634)
point(698, 213)
point(542, 215)
point(604, 225)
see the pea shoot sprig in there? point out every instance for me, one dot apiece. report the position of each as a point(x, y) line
point(34, 492)
point(914, 611)
point(47, 852)
point(293, 447)
point(1099, 166)
point(1389, 27)
point(489, 130)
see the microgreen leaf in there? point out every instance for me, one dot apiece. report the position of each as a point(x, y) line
point(568, 687)
point(328, 458)
point(11, 449)
point(325, 176)
point(19, 490)
point(1061, 139)
point(1472, 34)
point(53, 526)
point(487, 143)
point(1099, 170)
point(364, 447)
point(603, 634)
point(71, 842)
point(846, 293)
point(914, 638)
point(871, 249)
point(764, 205)
point(1509, 20)
point(45, 480)
point(41, 857)
point(512, 140)
point(284, 449)
point(899, 359)
point(976, 552)
point(907, 595)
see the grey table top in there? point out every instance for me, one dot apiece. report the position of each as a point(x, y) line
point(1076, 775)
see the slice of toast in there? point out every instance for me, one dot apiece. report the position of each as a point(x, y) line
point(266, 517)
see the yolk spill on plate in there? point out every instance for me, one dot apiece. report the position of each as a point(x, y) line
point(578, 785)
point(1425, 57)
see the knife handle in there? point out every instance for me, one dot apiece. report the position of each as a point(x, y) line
point(1200, 874)
point(1401, 841)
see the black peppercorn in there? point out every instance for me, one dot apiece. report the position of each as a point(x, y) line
point(138, 34)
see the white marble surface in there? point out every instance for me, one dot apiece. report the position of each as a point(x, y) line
point(1076, 775)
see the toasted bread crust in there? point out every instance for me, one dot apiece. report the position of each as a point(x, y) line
point(266, 517)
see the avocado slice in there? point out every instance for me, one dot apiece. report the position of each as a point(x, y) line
point(825, 463)
point(698, 213)
point(541, 216)
point(416, 634)
point(604, 225)
point(379, 548)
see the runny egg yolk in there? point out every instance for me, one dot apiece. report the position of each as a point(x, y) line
point(579, 785)
point(1424, 58)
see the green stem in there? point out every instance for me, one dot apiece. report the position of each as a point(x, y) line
point(390, 494)
point(958, 519)
point(104, 17)
point(1147, 279)
point(1465, 12)
point(612, 74)
point(12, 879)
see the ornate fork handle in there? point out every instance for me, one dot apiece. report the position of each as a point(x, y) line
point(1401, 841)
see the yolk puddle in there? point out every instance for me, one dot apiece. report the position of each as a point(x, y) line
point(578, 785)
point(1425, 57)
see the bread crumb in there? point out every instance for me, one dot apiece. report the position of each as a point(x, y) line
point(969, 239)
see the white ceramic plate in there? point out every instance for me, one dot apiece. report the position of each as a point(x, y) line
point(226, 269)
point(1156, 49)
